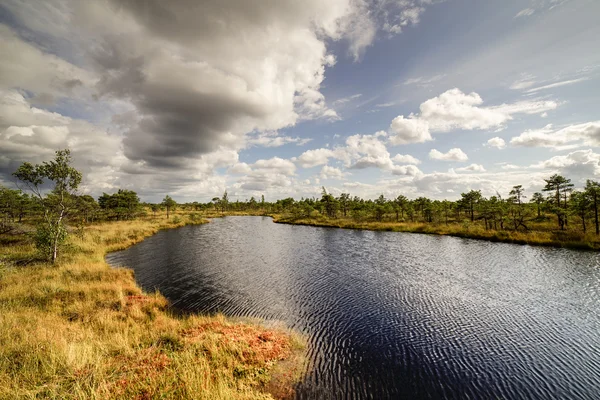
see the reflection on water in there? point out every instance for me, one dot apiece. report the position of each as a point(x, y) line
point(394, 315)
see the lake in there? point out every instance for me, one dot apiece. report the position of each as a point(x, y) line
point(394, 315)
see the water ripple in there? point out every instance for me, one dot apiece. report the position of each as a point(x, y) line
point(391, 315)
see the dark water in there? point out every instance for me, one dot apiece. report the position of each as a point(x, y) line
point(392, 315)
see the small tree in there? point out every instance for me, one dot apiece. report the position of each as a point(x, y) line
point(592, 191)
point(155, 208)
point(224, 202)
point(169, 204)
point(52, 233)
point(538, 199)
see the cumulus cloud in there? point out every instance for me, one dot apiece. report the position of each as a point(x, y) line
point(409, 130)
point(454, 154)
point(328, 172)
point(361, 152)
point(266, 174)
point(578, 165)
point(454, 110)
point(408, 170)
point(315, 157)
point(496, 142)
point(406, 159)
point(472, 168)
point(31, 134)
point(568, 137)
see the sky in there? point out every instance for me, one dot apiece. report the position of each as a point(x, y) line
point(279, 98)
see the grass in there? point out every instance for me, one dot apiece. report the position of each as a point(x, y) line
point(82, 329)
point(540, 233)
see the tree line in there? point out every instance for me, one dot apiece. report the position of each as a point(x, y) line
point(517, 210)
point(47, 197)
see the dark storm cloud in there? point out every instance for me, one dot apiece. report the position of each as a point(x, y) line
point(193, 71)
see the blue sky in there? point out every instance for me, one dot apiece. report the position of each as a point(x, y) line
point(414, 97)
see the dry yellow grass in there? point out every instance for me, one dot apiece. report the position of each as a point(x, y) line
point(83, 330)
point(540, 234)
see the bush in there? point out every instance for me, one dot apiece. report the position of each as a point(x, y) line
point(44, 239)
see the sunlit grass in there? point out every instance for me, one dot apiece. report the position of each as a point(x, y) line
point(84, 330)
point(539, 233)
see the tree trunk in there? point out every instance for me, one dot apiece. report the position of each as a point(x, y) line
point(56, 237)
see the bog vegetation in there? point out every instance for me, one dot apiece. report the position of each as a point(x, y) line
point(72, 327)
point(80, 329)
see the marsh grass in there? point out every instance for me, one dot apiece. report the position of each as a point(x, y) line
point(84, 330)
point(541, 233)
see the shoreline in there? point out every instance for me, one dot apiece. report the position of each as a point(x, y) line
point(532, 237)
point(85, 328)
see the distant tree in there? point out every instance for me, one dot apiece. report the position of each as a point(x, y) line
point(559, 186)
point(124, 204)
point(592, 191)
point(381, 207)
point(155, 208)
point(87, 207)
point(224, 202)
point(446, 208)
point(400, 204)
point(344, 201)
point(169, 204)
point(516, 194)
point(470, 199)
point(538, 199)
point(329, 203)
point(14, 204)
point(56, 205)
point(580, 204)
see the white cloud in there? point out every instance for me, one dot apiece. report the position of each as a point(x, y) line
point(472, 168)
point(27, 67)
point(409, 130)
point(272, 139)
point(578, 165)
point(567, 137)
point(424, 81)
point(525, 13)
point(385, 105)
point(408, 170)
point(344, 100)
point(406, 159)
point(328, 172)
point(454, 154)
point(457, 110)
point(454, 110)
point(556, 84)
point(31, 134)
point(312, 158)
point(496, 142)
point(266, 174)
point(507, 166)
